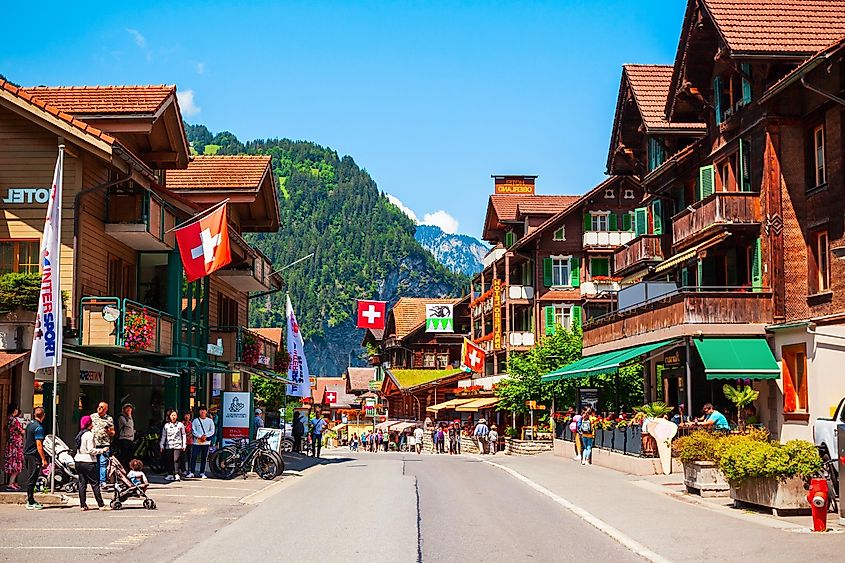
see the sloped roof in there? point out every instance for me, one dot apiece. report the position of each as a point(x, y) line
point(650, 86)
point(778, 26)
point(101, 100)
point(9, 360)
point(221, 173)
point(409, 312)
point(359, 378)
point(274, 334)
point(343, 398)
point(320, 387)
point(818, 59)
point(408, 378)
point(508, 207)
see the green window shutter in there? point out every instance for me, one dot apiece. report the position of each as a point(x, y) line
point(549, 313)
point(685, 277)
point(657, 216)
point(656, 153)
point(681, 199)
point(576, 316)
point(508, 239)
point(547, 272)
point(651, 165)
point(706, 181)
point(717, 98)
point(744, 166)
point(746, 83)
point(599, 267)
point(574, 273)
point(588, 222)
point(640, 221)
point(611, 222)
point(756, 265)
point(626, 221)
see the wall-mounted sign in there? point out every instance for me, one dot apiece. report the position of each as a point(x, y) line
point(215, 349)
point(235, 416)
point(514, 185)
point(264, 360)
point(674, 358)
point(90, 377)
point(110, 314)
point(18, 196)
point(497, 314)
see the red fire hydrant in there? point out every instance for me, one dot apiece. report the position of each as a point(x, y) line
point(817, 497)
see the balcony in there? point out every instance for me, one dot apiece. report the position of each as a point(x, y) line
point(598, 287)
point(520, 293)
point(103, 324)
point(521, 339)
point(243, 346)
point(140, 220)
point(719, 210)
point(607, 239)
point(641, 252)
point(250, 269)
point(683, 311)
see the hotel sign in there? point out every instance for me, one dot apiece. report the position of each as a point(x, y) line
point(19, 196)
point(514, 185)
point(497, 314)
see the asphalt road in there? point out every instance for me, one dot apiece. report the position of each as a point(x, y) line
point(407, 508)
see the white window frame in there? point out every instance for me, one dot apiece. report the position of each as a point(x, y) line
point(609, 193)
point(596, 218)
point(560, 234)
point(629, 194)
point(563, 315)
point(429, 360)
point(561, 264)
point(820, 169)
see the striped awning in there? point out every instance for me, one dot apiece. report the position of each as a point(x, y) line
point(448, 404)
point(476, 404)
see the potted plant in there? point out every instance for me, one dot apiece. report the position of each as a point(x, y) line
point(698, 454)
point(741, 397)
point(657, 409)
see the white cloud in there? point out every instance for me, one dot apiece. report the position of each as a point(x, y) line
point(140, 41)
point(186, 102)
point(200, 68)
point(406, 210)
point(442, 219)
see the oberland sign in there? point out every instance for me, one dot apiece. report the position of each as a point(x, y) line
point(27, 195)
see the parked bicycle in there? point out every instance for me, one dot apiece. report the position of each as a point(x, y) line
point(829, 472)
point(244, 457)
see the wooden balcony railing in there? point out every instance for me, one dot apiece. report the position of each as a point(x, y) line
point(241, 345)
point(253, 272)
point(643, 250)
point(689, 305)
point(721, 208)
point(103, 323)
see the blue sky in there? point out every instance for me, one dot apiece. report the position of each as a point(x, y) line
point(430, 97)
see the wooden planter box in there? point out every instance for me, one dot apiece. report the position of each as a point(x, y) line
point(649, 445)
point(783, 496)
point(705, 479)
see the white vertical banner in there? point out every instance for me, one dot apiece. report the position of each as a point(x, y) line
point(47, 336)
point(298, 366)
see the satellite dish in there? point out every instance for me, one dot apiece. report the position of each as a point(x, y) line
point(111, 314)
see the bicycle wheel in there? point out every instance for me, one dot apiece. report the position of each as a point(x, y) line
point(225, 464)
point(213, 464)
point(280, 462)
point(266, 465)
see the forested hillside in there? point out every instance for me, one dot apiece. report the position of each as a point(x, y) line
point(364, 246)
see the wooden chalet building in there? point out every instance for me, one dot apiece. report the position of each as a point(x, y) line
point(128, 179)
point(733, 268)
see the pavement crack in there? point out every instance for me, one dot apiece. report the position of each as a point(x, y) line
point(419, 518)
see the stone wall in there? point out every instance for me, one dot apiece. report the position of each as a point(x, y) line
point(527, 447)
point(468, 445)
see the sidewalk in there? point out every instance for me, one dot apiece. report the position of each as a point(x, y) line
point(678, 527)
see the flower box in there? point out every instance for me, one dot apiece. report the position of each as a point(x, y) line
point(619, 439)
point(705, 479)
point(783, 496)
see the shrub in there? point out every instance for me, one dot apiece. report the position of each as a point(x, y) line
point(19, 291)
point(749, 458)
point(511, 432)
point(698, 446)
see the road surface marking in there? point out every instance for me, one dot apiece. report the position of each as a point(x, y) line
point(89, 547)
point(603, 526)
point(195, 496)
point(41, 529)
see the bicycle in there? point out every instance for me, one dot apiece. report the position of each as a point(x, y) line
point(242, 458)
point(830, 473)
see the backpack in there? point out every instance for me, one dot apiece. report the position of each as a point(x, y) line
point(586, 425)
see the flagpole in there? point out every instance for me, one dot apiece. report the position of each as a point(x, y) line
point(57, 280)
point(198, 216)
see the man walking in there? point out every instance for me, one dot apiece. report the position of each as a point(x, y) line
point(317, 435)
point(480, 434)
point(103, 430)
point(298, 431)
point(418, 439)
point(202, 429)
point(33, 455)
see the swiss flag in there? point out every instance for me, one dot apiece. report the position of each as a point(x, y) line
point(204, 244)
point(371, 314)
point(474, 357)
point(331, 397)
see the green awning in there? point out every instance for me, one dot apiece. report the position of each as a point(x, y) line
point(737, 358)
point(607, 362)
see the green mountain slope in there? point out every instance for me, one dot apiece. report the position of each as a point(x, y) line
point(364, 246)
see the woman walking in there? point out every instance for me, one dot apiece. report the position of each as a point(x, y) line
point(87, 464)
point(13, 456)
point(173, 443)
point(587, 432)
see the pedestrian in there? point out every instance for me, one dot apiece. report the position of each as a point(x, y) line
point(480, 434)
point(173, 442)
point(441, 440)
point(576, 436)
point(353, 443)
point(458, 434)
point(258, 420)
point(317, 428)
point(418, 439)
point(136, 474)
point(380, 440)
point(86, 462)
point(202, 430)
point(13, 456)
point(586, 429)
point(33, 456)
point(493, 439)
point(103, 430)
point(189, 443)
point(125, 434)
point(298, 431)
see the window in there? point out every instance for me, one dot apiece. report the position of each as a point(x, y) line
point(430, 361)
point(599, 267)
point(227, 311)
point(819, 263)
point(509, 239)
point(731, 91)
point(609, 194)
point(563, 315)
point(794, 366)
point(560, 271)
point(121, 280)
point(628, 194)
point(559, 234)
point(599, 221)
point(726, 176)
point(818, 155)
point(656, 153)
point(19, 256)
point(442, 361)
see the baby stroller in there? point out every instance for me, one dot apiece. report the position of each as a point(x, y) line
point(124, 488)
point(61, 461)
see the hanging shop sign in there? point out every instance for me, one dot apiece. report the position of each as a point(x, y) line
point(215, 349)
point(497, 314)
point(514, 185)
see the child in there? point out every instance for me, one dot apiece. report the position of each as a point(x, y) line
point(136, 474)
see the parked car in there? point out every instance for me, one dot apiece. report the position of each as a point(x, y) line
point(825, 434)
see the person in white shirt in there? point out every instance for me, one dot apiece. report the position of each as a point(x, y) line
point(87, 464)
point(202, 428)
point(173, 442)
point(418, 439)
